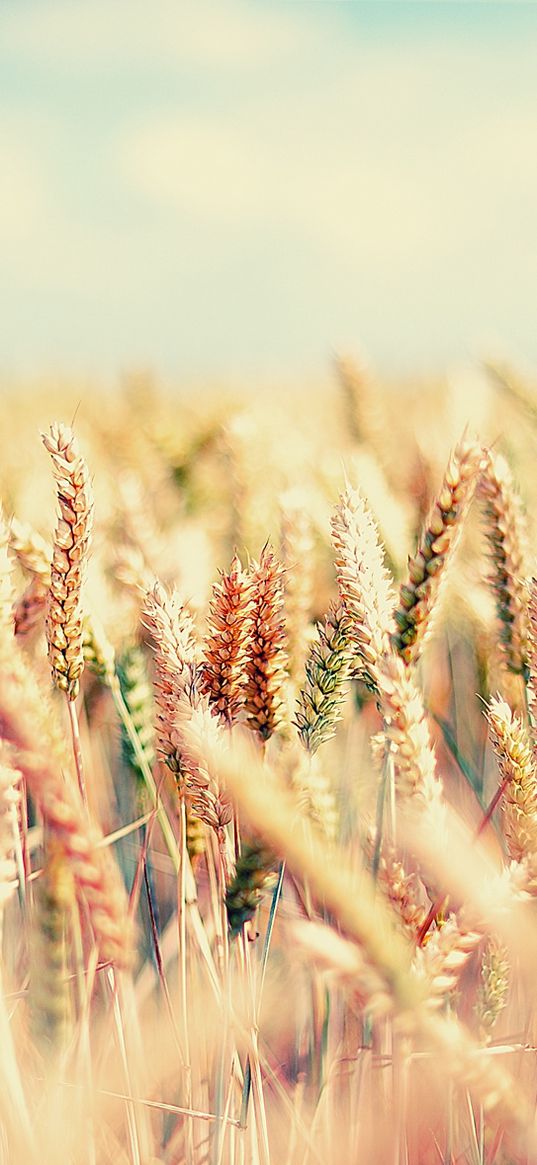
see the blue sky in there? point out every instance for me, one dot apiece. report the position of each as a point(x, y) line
point(238, 188)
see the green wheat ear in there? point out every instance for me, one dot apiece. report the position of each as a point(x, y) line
point(49, 994)
point(254, 871)
point(137, 693)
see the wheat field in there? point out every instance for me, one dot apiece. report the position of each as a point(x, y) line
point(268, 760)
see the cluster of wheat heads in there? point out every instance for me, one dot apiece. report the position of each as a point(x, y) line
point(267, 891)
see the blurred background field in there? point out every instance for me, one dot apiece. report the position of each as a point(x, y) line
point(182, 481)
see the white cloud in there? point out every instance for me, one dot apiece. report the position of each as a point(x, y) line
point(363, 168)
point(24, 199)
point(123, 33)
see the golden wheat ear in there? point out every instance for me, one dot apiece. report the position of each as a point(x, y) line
point(365, 586)
point(407, 734)
point(532, 658)
point(6, 590)
point(175, 662)
point(506, 532)
point(265, 669)
point(493, 986)
point(518, 772)
point(69, 556)
point(26, 722)
point(419, 593)
point(226, 646)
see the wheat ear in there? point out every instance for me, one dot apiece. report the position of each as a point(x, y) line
point(175, 655)
point(518, 773)
point(407, 732)
point(400, 889)
point(507, 536)
point(441, 960)
point(265, 680)
point(6, 589)
point(326, 679)
point(265, 669)
point(9, 800)
point(25, 722)
point(198, 734)
point(71, 543)
point(49, 993)
point(365, 586)
point(226, 645)
point(419, 594)
point(493, 986)
point(33, 555)
point(138, 696)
